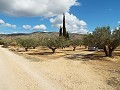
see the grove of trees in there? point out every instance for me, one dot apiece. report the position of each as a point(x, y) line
point(103, 38)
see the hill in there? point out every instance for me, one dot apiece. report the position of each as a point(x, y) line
point(37, 34)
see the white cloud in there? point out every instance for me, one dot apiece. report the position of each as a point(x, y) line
point(15, 32)
point(73, 24)
point(117, 28)
point(2, 33)
point(39, 27)
point(14, 26)
point(26, 26)
point(46, 8)
point(10, 25)
point(2, 22)
point(36, 27)
point(118, 22)
point(45, 31)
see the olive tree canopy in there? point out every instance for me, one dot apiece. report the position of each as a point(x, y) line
point(104, 38)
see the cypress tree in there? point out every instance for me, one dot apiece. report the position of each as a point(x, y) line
point(60, 31)
point(67, 36)
point(64, 28)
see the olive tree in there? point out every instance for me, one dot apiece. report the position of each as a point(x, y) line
point(35, 42)
point(88, 40)
point(54, 43)
point(6, 41)
point(25, 42)
point(103, 38)
point(75, 43)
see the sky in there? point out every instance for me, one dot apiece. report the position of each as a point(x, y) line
point(82, 16)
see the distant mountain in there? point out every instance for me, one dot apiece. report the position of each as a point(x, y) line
point(37, 34)
point(2, 35)
point(17, 34)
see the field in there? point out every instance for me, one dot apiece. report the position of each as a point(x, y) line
point(76, 70)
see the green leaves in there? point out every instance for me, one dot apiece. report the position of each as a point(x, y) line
point(25, 42)
point(6, 41)
point(55, 42)
point(28, 42)
point(75, 42)
point(89, 40)
point(102, 37)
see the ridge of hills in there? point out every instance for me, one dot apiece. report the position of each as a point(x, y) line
point(71, 35)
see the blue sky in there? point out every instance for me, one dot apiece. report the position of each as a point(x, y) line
point(42, 15)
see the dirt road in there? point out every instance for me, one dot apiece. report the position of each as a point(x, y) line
point(18, 73)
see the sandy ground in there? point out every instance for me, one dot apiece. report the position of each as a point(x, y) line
point(61, 72)
point(17, 73)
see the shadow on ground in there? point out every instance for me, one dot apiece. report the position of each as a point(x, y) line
point(43, 53)
point(114, 82)
point(40, 53)
point(67, 50)
point(93, 57)
point(84, 57)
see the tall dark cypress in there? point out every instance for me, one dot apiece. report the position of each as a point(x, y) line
point(67, 36)
point(60, 31)
point(64, 28)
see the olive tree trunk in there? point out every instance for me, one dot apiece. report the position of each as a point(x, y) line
point(53, 49)
point(74, 48)
point(26, 49)
point(105, 50)
point(108, 51)
point(34, 47)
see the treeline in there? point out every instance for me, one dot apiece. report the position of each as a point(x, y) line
point(51, 42)
point(101, 37)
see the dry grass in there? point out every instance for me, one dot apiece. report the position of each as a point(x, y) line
point(109, 68)
point(45, 53)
